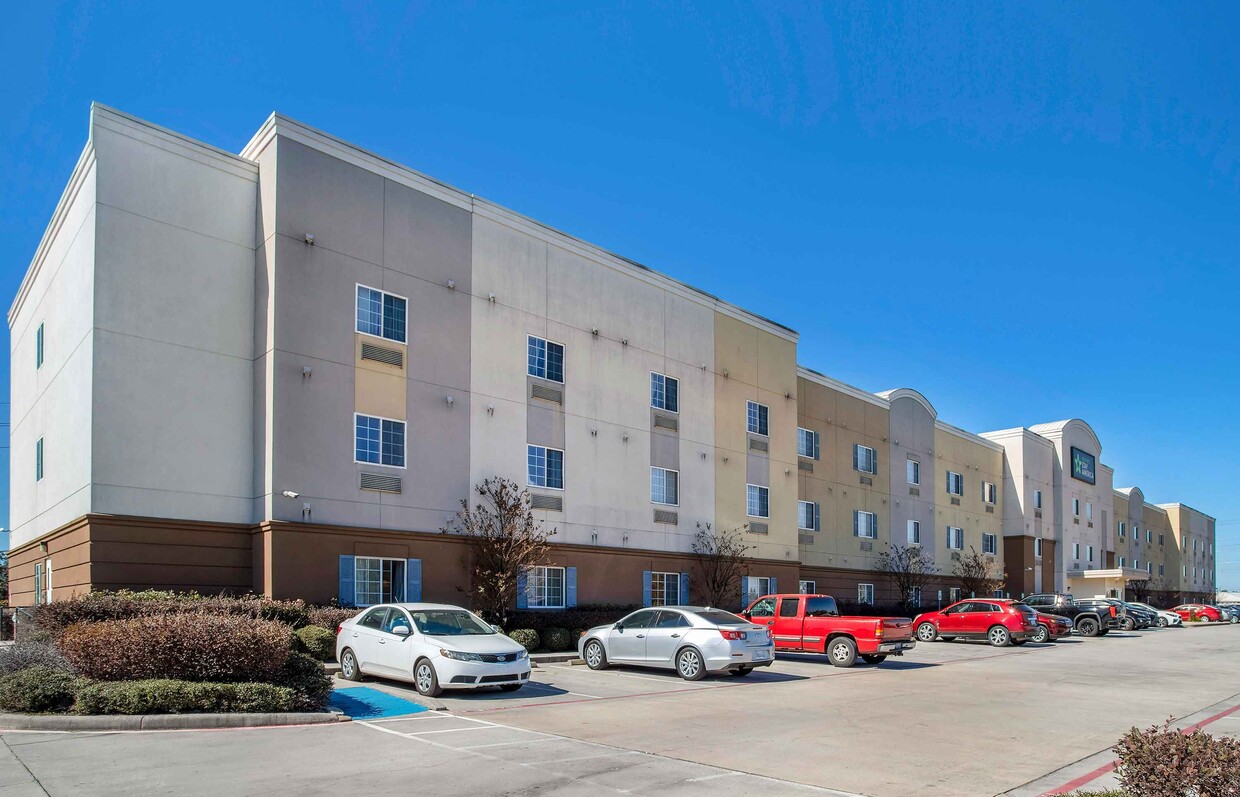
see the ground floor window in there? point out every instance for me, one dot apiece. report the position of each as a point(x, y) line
point(915, 596)
point(808, 587)
point(544, 588)
point(377, 580)
point(755, 587)
point(664, 589)
point(43, 581)
point(953, 594)
point(865, 593)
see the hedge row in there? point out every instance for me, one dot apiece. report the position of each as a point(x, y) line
point(317, 642)
point(57, 616)
point(576, 617)
point(164, 696)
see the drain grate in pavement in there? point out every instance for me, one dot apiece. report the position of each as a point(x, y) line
point(364, 703)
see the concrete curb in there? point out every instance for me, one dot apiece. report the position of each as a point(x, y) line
point(1209, 625)
point(551, 658)
point(162, 722)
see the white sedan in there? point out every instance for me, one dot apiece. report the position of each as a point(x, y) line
point(435, 646)
point(1165, 618)
point(693, 640)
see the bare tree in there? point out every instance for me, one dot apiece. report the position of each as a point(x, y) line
point(910, 568)
point(978, 575)
point(505, 539)
point(1138, 590)
point(720, 559)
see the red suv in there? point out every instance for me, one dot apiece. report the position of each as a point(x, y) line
point(999, 621)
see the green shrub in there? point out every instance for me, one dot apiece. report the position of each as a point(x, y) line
point(307, 678)
point(55, 617)
point(525, 637)
point(24, 654)
point(163, 696)
point(190, 647)
point(317, 642)
point(37, 689)
point(330, 617)
point(1163, 762)
point(586, 616)
point(555, 639)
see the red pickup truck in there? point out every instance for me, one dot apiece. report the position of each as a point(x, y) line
point(812, 624)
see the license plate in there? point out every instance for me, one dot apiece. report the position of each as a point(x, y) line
point(761, 655)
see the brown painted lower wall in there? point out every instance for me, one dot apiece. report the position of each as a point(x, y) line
point(1022, 566)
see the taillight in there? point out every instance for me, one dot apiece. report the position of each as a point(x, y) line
point(1112, 611)
point(878, 629)
point(339, 628)
point(732, 635)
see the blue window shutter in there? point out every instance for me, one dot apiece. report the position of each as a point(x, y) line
point(346, 596)
point(856, 457)
point(774, 586)
point(684, 589)
point(816, 451)
point(744, 591)
point(856, 523)
point(522, 599)
point(413, 580)
point(570, 587)
point(817, 517)
point(646, 588)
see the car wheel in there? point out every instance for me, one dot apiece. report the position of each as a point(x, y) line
point(690, 665)
point(1088, 627)
point(1041, 635)
point(595, 656)
point(998, 637)
point(926, 632)
point(425, 680)
point(1129, 624)
point(1205, 619)
point(842, 651)
point(1162, 622)
point(510, 687)
point(873, 658)
point(349, 669)
point(740, 672)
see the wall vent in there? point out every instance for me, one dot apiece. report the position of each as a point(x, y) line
point(380, 483)
point(805, 539)
point(1091, 524)
point(552, 503)
point(382, 354)
point(664, 516)
point(990, 509)
point(546, 394)
point(759, 528)
point(866, 545)
point(1037, 513)
point(808, 467)
point(914, 491)
point(758, 445)
point(955, 502)
point(1076, 521)
point(867, 480)
point(666, 422)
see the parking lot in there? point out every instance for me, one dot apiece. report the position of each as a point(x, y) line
point(948, 719)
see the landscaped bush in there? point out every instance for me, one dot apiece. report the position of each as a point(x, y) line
point(162, 696)
point(577, 617)
point(1163, 762)
point(191, 647)
point(36, 690)
point(307, 678)
point(21, 655)
point(55, 617)
point(526, 638)
point(556, 639)
point(848, 607)
point(317, 642)
point(330, 617)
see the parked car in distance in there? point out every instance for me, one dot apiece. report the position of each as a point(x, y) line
point(1051, 627)
point(1136, 618)
point(1089, 616)
point(1198, 612)
point(812, 624)
point(1165, 618)
point(436, 646)
point(692, 640)
point(1231, 614)
point(999, 621)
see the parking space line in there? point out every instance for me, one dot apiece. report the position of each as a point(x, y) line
point(717, 776)
point(509, 744)
point(452, 730)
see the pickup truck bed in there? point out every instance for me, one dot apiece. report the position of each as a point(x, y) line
point(812, 624)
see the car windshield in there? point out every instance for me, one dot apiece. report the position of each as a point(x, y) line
point(720, 617)
point(450, 622)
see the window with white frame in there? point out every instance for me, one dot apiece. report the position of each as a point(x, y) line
point(1076, 552)
point(757, 501)
point(664, 392)
point(39, 596)
point(914, 532)
point(1089, 551)
point(756, 587)
point(915, 596)
point(953, 594)
point(544, 467)
point(380, 314)
point(807, 515)
point(1122, 529)
point(807, 443)
point(38, 348)
point(955, 538)
point(990, 543)
point(955, 483)
point(378, 441)
point(1149, 568)
point(1136, 564)
point(1037, 546)
point(807, 587)
point(865, 459)
point(912, 471)
point(865, 524)
point(989, 492)
point(545, 359)
point(756, 418)
point(38, 460)
point(664, 589)
point(1149, 536)
point(544, 588)
point(997, 594)
point(865, 593)
point(1183, 571)
point(1089, 510)
point(1122, 561)
point(665, 486)
point(378, 580)
point(1076, 507)
point(1037, 499)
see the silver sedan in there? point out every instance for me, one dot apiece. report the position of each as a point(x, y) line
point(693, 640)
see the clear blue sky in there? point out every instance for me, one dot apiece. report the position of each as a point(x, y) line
point(1049, 193)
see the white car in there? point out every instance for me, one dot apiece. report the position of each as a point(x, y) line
point(693, 640)
point(1165, 618)
point(434, 645)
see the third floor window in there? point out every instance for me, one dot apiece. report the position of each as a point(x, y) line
point(545, 359)
point(664, 392)
point(955, 483)
point(865, 459)
point(380, 314)
point(807, 443)
point(756, 418)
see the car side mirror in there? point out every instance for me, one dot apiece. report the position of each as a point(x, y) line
point(401, 630)
point(746, 615)
point(619, 627)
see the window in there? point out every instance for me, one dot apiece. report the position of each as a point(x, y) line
point(1037, 499)
point(1149, 536)
point(955, 538)
point(912, 470)
point(807, 443)
point(545, 467)
point(788, 607)
point(757, 501)
point(1076, 507)
point(865, 593)
point(1037, 546)
point(664, 589)
point(864, 459)
point(379, 441)
point(664, 486)
point(990, 543)
point(807, 587)
point(545, 359)
point(1149, 568)
point(1161, 570)
point(915, 596)
point(38, 460)
point(1160, 539)
point(865, 524)
point(380, 314)
point(914, 532)
point(955, 483)
point(377, 580)
point(544, 588)
point(807, 515)
point(1122, 561)
point(1089, 510)
point(755, 587)
point(1076, 552)
point(664, 391)
point(953, 594)
point(1136, 564)
point(1089, 550)
point(988, 492)
point(38, 583)
point(756, 415)
point(38, 348)
point(1121, 528)
point(1183, 571)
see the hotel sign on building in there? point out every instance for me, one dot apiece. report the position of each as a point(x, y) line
point(1082, 465)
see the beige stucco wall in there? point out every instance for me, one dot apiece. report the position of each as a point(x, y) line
point(976, 461)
